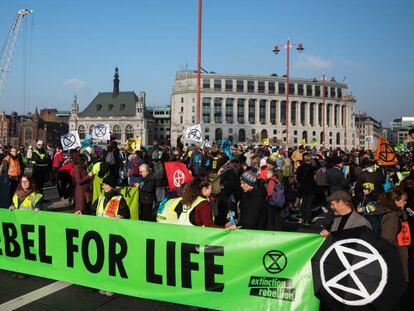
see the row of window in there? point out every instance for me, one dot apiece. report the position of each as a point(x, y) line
point(250, 86)
point(240, 136)
point(252, 113)
point(116, 130)
point(161, 112)
point(110, 107)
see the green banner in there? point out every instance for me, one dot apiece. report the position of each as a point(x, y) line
point(197, 266)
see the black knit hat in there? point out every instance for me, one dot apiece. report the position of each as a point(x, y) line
point(110, 181)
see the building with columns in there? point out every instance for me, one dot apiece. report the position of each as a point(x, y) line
point(124, 112)
point(248, 108)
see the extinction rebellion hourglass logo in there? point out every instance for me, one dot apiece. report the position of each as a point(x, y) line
point(273, 262)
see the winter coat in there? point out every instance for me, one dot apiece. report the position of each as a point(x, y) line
point(253, 210)
point(305, 176)
point(147, 190)
point(81, 181)
point(336, 180)
point(373, 177)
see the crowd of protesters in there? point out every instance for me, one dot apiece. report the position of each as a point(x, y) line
point(240, 187)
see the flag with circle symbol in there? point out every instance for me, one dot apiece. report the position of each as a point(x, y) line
point(101, 131)
point(70, 140)
point(385, 154)
point(177, 174)
point(193, 133)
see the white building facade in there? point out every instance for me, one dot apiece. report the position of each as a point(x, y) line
point(162, 129)
point(248, 108)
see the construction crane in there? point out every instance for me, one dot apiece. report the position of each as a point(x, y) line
point(7, 51)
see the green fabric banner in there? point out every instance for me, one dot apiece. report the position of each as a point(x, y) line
point(197, 266)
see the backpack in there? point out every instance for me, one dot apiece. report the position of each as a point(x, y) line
point(320, 177)
point(135, 168)
point(215, 184)
point(277, 200)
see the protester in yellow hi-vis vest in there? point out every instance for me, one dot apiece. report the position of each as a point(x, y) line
point(196, 210)
point(40, 163)
point(111, 203)
point(26, 196)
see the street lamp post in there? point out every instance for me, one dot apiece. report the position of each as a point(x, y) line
point(276, 50)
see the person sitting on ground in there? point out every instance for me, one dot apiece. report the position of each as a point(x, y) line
point(345, 216)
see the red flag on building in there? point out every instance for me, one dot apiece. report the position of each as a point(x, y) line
point(385, 154)
point(177, 174)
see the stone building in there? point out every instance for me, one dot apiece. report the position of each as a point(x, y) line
point(247, 108)
point(162, 130)
point(368, 131)
point(9, 129)
point(125, 112)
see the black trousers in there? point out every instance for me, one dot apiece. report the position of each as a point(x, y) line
point(274, 219)
point(306, 207)
point(39, 176)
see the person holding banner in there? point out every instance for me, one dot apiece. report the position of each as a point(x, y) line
point(26, 196)
point(111, 203)
point(196, 209)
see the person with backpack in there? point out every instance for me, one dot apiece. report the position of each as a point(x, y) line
point(275, 201)
point(306, 187)
point(134, 176)
point(394, 226)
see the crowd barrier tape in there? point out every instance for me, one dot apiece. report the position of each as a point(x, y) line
point(197, 266)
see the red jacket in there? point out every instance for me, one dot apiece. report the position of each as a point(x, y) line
point(57, 159)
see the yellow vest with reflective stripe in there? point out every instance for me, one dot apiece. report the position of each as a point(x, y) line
point(111, 208)
point(168, 214)
point(28, 203)
point(184, 218)
point(41, 155)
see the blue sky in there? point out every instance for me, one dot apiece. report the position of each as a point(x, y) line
point(76, 45)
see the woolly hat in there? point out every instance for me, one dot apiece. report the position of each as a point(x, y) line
point(110, 181)
point(249, 178)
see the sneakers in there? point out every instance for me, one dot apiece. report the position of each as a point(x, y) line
point(106, 292)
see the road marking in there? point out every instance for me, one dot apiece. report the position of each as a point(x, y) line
point(33, 296)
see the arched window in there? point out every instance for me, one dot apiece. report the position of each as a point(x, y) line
point(82, 132)
point(129, 132)
point(263, 134)
point(219, 134)
point(338, 138)
point(305, 136)
point(117, 132)
point(321, 141)
point(242, 135)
